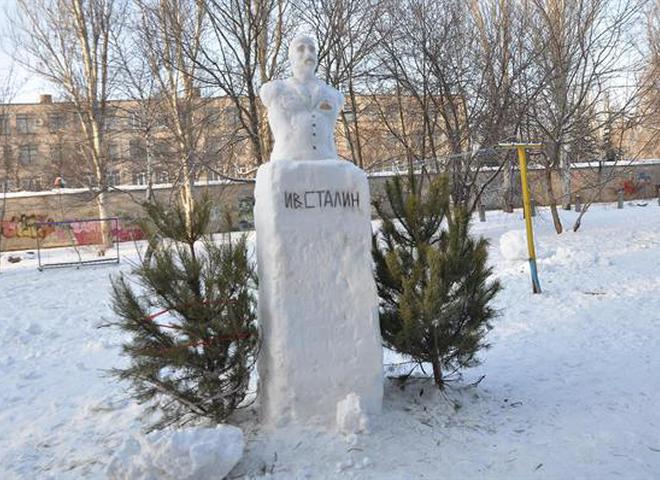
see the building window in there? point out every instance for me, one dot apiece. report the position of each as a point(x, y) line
point(114, 178)
point(232, 116)
point(136, 150)
point(56, 153)
point(56, 122)
point(140, 178)
point(212, 175)
point(112, 122)
point(162, 176)
point(113, 152)
point(162, 150)
point(6, 155)
point(213, 114)
point(26, 123)
point(31, 184)
point(27, 154)
point(135, 121)
point(4, 124)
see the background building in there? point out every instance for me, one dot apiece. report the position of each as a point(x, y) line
point(43, 142)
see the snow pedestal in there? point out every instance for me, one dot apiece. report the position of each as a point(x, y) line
point(318, 304)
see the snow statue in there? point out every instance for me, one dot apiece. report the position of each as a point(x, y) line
point(302, 110)
point(318, 304)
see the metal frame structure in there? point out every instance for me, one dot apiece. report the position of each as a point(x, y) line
point(98, 261)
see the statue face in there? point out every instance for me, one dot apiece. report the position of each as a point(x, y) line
point(302, 55)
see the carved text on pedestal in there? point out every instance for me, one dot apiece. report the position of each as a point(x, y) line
point(321, 199)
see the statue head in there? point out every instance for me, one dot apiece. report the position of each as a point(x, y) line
point(302, 55)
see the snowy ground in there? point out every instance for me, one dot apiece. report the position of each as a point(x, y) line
point(571, 387)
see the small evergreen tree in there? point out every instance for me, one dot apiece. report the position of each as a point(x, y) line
point(434, 284)
point(193, 337)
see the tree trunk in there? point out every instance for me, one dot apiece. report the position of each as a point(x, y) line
point(578, 221)
point(565, 168)
point(99, 163)
point(106, 230)
point(149, 194)
point(506, 188)
point(2, 211)
point(356, 128)
point(437, 373)
point(259, 142)
point(186, 194)
point(553, 201)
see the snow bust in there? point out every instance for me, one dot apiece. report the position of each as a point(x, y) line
point(302, 110)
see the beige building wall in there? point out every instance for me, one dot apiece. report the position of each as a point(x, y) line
point(43, 141)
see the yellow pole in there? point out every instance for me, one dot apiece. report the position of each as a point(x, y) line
point(527, 207)
point(527, 204)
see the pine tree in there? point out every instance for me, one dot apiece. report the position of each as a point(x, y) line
point(191, 320)
point(434, 283)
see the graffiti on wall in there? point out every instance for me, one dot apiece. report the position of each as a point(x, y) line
point(25, 226)
point(128, 233)
point(90, 233)
point(33, 226)
point(636, 184)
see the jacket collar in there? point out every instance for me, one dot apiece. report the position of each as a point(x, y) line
point(313, 89)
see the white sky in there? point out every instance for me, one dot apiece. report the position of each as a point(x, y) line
point(28, 86)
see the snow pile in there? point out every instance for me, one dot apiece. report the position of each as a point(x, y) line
point(513, 245)
point(575, 257)
point(350, 417)
point(193, 453)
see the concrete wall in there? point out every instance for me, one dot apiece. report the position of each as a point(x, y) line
point(234, 202)
point(590, 183)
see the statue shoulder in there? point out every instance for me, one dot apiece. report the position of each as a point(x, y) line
point(340, 99)
point(270, 90)
point(337, 96)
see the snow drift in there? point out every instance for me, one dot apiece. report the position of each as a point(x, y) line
point(193, 453)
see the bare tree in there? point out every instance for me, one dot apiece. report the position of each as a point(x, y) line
point(7, 167)
point(68, 43)
point(144, 111)
point(651, 101)
point(171, 33)
point(632, 134)
point(600, 175)
point(581, 47)
point(242, 48)
point(454, 70)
